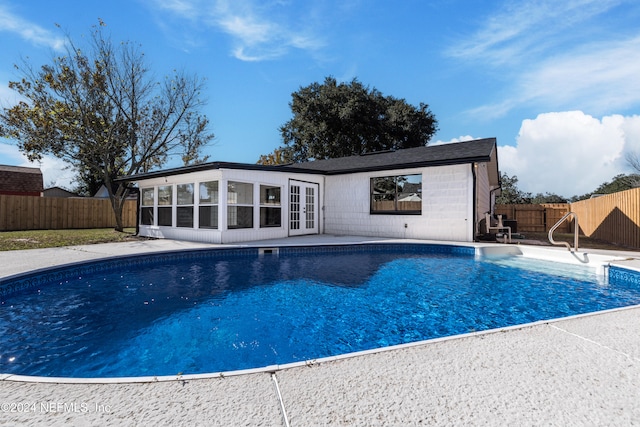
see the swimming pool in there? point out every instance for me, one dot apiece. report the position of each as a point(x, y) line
point(222, 310)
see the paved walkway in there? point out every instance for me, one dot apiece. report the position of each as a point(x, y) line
point(579, 371)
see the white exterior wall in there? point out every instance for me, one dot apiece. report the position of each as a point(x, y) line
point(223, 176)
point(447, 206)
point(344, 200)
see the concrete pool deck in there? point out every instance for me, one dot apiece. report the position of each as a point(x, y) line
point(583, 370)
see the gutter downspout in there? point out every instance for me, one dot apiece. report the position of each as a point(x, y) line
point(138, 204)
point(474, 201)
point(324, 192)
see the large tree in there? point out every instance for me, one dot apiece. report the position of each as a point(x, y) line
point(341, 119)
point(101, 111)
point(510, 194)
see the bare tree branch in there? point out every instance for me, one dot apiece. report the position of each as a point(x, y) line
point(103, 113)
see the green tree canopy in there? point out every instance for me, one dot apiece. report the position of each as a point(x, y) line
point(342, 119)
point(510, 194)
point(619, 182)
point(547, 198)
point(102, 112)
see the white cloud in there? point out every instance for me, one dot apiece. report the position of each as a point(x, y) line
point(10, 22)
point(258, 31)
point(558, 56)
point(452, 140)
point(570, 153)
point(9, 153)
point(600, 78)
point(521, 28)
point(255, 36)
point(185, 8)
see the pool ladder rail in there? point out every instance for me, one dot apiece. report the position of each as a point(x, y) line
point(576, 229)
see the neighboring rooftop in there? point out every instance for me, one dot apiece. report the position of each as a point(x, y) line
point(19, 180)
point(58, 192)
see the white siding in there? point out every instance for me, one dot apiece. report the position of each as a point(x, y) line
point(447, 206)
point(222, 234)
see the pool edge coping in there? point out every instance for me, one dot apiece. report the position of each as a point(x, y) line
point(270, 369)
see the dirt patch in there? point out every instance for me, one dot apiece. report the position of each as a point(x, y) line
point(541, 239)
point(24, 240)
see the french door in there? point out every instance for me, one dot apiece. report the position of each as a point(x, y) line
point(303, 208)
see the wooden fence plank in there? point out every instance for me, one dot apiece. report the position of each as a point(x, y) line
point(536, 218)
point(51, 213)
point(3, 211)
point(14, 210)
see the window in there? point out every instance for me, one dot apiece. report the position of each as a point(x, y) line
point(146, 211)
point(165, 200)
point(239, 205)
point(208, 210)
point(397, 194)
point(184, 211)
point(270, 210)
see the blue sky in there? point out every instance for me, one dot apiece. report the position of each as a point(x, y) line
point(556, 82)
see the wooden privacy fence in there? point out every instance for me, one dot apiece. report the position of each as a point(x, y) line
point(55, 213)
point(390, 205)
point(613, 217)
point(536, 218)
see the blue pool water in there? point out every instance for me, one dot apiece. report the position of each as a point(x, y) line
point(220, 311)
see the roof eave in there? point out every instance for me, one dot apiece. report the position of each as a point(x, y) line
point(211, 166)
point(410, 165)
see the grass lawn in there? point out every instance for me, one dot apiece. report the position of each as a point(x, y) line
point(35, 239)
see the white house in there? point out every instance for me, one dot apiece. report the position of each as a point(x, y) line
point(437, 192)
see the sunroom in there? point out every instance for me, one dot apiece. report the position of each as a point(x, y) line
point(222, 203)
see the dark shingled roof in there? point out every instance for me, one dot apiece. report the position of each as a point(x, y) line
point(480, 150)
point(20, 180)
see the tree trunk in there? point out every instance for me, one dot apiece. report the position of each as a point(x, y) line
point(117, 202)
point(118, 205)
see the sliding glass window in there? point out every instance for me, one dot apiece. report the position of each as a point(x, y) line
point(184, 211)
point(165, 208)
point(270, 210)
point(148, 201)
point(208, 209)
point(239, 205)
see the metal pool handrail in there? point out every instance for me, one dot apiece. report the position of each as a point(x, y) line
point(575, 232)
